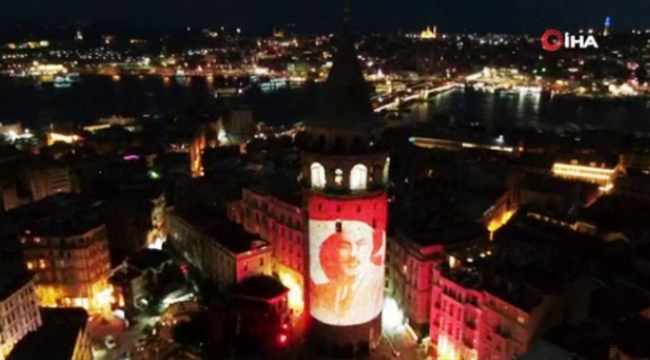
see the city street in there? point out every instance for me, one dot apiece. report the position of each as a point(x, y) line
point(125, 338)
point(398, 340)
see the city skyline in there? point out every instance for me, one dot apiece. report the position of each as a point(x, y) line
point(255, 17)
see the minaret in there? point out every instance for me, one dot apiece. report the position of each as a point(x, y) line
point(345, 179)
point(606, 28)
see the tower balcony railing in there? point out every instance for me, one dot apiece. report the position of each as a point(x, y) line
point(372, 188)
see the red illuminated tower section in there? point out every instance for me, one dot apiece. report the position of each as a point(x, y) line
point(345, 177)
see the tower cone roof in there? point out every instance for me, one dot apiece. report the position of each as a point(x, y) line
point(345, 101)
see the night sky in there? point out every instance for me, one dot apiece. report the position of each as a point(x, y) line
point(255, 16)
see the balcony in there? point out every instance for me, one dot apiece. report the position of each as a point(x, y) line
point(345, 192)
point(470, 324)
point(468, 343)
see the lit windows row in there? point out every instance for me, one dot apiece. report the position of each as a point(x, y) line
point(359, 176)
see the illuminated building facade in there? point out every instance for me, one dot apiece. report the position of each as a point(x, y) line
point(455, 145)
point(345, 178)
point(220, 249)
point(19, 313)
point(50, 181)
point(40, 177)
point(278, 219)
point(52, 138)
point(196, 154)
point(599, 173)
point(157, 233)
point(417, 244)
point(482, 314)
point(70, 261)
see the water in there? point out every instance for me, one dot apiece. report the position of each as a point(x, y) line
point(538, 111)
point(97, 97)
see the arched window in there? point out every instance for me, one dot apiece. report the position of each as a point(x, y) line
point(358, 177)
point(386, 168)
point(318, 176)
point(338, 177)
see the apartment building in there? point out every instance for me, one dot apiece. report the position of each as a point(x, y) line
point(275, 213)
point(63, 336)
point(19, 314)
point(66, 247)
point(496, 304)
point(415, 247)
point(222, 250)
point(49, 181)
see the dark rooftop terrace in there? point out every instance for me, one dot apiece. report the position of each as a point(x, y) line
point(262, 287)
point(283, 186)
point(433, 224)
point(148, 258)
point(512, 271)
point(64, 214)
point(221, 230)
point(55, 339)
point(544, 183)
point(567, 242)
point(233, 237)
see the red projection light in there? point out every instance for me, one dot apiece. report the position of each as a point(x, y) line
point(285, 326)
point(184, 268)
point(282, 339)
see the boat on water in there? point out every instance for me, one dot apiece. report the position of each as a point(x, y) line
point(59, 81)
point(227, 92)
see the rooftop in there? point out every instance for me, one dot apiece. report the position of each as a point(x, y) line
point(283, 186)
point(428, 224)
point(594, 160)
point(221, 230)
point(234, 238)
point(517, 273)
point(64, 214)
point(55, 339)
point(148, 258)
point(543, 183)
point(567, 243)
point(12, 280)
point(544, 350)
point(262, 287)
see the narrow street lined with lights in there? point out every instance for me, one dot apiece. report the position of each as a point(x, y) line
point(397, 341)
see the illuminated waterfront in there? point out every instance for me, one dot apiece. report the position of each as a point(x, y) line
point(97, 97)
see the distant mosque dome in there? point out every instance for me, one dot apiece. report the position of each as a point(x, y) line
point(429, 34)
